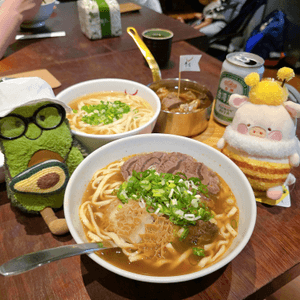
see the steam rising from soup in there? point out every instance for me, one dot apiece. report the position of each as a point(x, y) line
point(168, 214)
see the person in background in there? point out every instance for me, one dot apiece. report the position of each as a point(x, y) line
point(12, 14)
point(216, 15)
point(152, 4)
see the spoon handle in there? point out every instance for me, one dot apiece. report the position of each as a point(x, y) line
point(33, 260)
point(156, 75)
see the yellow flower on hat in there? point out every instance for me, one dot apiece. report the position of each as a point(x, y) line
point(285, 74)
point(252, 79)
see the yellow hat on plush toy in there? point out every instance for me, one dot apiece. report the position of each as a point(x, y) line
point(269, 91)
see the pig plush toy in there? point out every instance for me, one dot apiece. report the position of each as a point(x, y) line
point(261, 139)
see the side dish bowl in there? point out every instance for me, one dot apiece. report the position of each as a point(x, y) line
point(94, 141)
point(145, 143)
point(184, 124)
point(44, 13)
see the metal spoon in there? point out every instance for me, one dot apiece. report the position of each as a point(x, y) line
point(33, 260)
point(146, 53)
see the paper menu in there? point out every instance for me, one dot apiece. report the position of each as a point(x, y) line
point(43, 73)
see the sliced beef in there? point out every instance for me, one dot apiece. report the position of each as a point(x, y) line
point(202, 233)
point(128, 166)
point(172, 163)
point(190, 168)
point(141, 163)
point(209, 178)
point(170, 102)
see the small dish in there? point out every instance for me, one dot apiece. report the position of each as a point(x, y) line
point(42, 16)
point(184, 124)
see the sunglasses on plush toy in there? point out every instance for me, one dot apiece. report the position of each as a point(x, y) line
point(47, 117)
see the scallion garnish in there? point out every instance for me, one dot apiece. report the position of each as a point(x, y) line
point(198, 251)
point(104, 112)
point(234, 224)
point(168, 194)
point(184, 234)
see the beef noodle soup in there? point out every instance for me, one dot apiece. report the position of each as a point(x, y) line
point(168, 214)
point(109, 113)
point(188, 100)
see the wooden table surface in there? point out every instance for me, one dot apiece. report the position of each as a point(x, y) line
point(269, 260)
point(75, 44)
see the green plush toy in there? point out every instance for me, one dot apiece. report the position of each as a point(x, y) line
point(39, 149)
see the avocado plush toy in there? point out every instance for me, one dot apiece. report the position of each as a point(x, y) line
point(39, 150)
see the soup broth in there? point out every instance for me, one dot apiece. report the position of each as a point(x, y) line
point(188, 100)
point(177, 256)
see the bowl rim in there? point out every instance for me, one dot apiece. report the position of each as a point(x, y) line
point(118, 135)
point(158, 29)
point(164, 279)
point(48, 2)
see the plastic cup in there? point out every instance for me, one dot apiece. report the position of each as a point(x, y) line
point(159, 42)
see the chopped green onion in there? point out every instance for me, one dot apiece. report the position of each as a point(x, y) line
point(167, 194)
point(100, 244)
point(233, 223)
point(198, 251)
point(104, 112)
point(184, 234)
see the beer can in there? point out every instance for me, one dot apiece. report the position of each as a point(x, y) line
point(234, 69)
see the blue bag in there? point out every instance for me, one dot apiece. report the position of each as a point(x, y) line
point(268, 36)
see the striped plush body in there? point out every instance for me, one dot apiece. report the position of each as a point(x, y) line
point(262, 173)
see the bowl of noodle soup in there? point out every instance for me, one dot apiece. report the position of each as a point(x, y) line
point(105, 110)
point(90, 182)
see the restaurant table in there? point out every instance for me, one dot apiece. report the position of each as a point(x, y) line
point(76, 45)
point(269, 260)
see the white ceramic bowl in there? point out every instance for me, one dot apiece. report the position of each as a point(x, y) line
point(169, 143)
point(42, 16)
point(94, 141)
